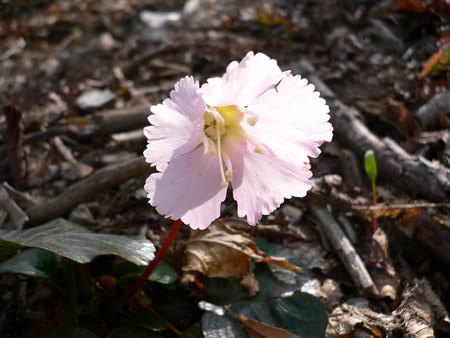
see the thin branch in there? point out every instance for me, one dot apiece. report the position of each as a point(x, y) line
point(87, 189)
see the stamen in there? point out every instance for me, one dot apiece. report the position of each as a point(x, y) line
point(219, 119)
point(252, 120)
point(209, 146)
point(252, 117)
point(229, 172)
point(219, 155)
point(258, 149)
point(254, 142)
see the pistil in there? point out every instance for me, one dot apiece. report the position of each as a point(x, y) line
point(228, 165)
point(219, 155)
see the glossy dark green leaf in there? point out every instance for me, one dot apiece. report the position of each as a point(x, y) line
point(32, 262)
point(129, 332)
point(214, 326)
point(163, 273)
point(67, 323)
point(301, 313)
point(146, 320)
point(77, 243)
point(195, 331)
point(173, 303)
point(84, 333)
point(222, 291)
point(275, 280)
point(280, 303)
point(370, 164)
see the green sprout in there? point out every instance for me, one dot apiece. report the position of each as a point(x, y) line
point(370, 164)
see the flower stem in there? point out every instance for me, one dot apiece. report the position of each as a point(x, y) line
point(374, 192)
point(374, 195)
point(159, 256)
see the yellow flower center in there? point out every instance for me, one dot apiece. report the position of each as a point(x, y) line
point(222, 124)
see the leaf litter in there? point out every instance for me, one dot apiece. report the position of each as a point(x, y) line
point(387, 60)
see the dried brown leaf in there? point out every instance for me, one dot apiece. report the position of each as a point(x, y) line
point(398, 212)
point(221, 251)
point(251, 284)
point(258, 329)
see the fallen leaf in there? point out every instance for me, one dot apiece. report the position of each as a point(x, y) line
point(259, 329)
point(11, 215)
point(420, 6)
point(437, 62)
point(411, 5)
point(397, 212)
point(221, 251)
point(251, 284)
point(387, 279)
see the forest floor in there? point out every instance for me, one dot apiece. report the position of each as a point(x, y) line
point(77, 79)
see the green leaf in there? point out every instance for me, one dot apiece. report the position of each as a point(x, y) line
point(281, 302)
point(274, 280)
point(67, 324)
point(32, 262)
point(301, 313)
point(77, 243)
point(146, 320)
point(223, 291)
point(163, 273)
point(214, 326)
point(195, 331)
point(84, 333)
point(129, 332)
point(173, 303)
point(370, 164)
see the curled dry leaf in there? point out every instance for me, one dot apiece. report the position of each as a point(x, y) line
point(386, 280)
point(220, 251)
point(259, 329)
point(11, 215)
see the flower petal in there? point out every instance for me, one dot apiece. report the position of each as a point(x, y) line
point(261, 181)
point(176, 125)
point(190, 188)
point(243, 82)
point(292, 120)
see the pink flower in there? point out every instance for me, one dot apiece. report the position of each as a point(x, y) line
point(254, 127)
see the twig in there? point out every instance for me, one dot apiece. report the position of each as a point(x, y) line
point(87, 189)
point(346, 251)
point(101, 123)
point(153, 52)
point(382, 206)
point(117, 120)
point(418, 314)
point(414, 174)
point(14, 140)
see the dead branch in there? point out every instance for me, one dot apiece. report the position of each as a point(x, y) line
point(153, 52)
point(419, 312)
point(346, 251)
point(416, 223)
point(14, 140)
point(87, 189)
point(117, 120)
point(414, 174)
point(101, 123)
point(435, 114)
